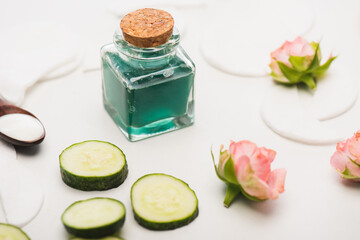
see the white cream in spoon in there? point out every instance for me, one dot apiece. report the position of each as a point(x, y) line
point(21, 127)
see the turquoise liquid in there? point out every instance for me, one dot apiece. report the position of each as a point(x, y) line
point(146, 98)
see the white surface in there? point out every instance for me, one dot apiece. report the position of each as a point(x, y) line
point(55, 50)
point(240, 41)
point(316, 203)
point(7, 151)
point(21, 127)
point(21, 194)
point(299, 114)
point(283, 113)
point(335, 93)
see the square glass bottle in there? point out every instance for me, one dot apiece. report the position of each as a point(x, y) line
point(148, 91)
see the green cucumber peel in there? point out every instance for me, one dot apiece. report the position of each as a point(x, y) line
point(87, 181)
point(105, 238)
point(142, 202)
point(8, 231)
point(75, 217)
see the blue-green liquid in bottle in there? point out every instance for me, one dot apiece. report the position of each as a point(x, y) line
point(148, 96)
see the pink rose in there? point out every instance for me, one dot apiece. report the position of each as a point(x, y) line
point(298, 61)
point(299, 47)
point(346, 159)
point(247, 169)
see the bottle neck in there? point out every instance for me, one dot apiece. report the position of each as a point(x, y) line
point(147, 57)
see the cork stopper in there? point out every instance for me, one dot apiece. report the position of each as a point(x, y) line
point(147, 27)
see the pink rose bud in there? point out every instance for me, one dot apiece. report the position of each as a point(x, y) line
point(246, 168)
point(298, 61)
point(346, 159)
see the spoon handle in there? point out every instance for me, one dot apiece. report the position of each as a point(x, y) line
point(3, 101)
point(8, 108)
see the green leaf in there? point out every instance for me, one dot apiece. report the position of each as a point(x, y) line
point(291, 74)
point(298, 63)
point(309, 80)
point(232, 191)
point(315, 62)
point(323, 68)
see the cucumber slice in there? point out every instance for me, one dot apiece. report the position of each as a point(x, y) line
point(163, 202)
point(94, 217)
point(93, 165)
point(10, 232)
point(105, 238)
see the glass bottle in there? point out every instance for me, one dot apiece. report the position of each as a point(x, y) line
point(148, 91)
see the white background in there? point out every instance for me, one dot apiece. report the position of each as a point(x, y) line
point(316, 203)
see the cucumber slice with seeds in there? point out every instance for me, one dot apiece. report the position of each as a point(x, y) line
point(93, 165)
point(10, 232)
point(94, 217)
point(163, 202)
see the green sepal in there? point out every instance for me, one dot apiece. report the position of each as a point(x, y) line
point(221, 178)
point(232, 191)
point(315, 62)
point(252, 198)
point(323, 68)
point(314, 45)
point(357, 164)
point(280, 79)
point(291, 74)
point(229, 171)
point(298, 63)
point(309, 80)
point(347, 174)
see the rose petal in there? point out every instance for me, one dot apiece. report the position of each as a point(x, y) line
point(353, 168)
point(269, 153)
point(282, 54)
point(275, 67)
point(301, 47)
point(354, 146)
point(254, 186)
point(340, 146)
point(307, 50)
point(242, 168)
point(338, 161)
point(276, 182)
point(260, 162)
point(238, 149)
point(344, 148)
point(296, 47)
